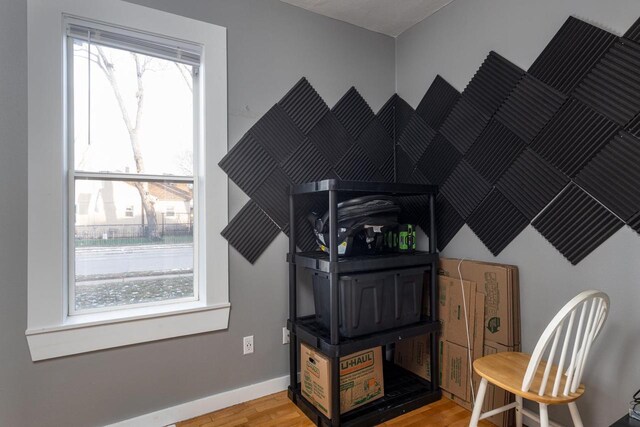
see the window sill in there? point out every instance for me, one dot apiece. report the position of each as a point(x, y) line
point(99, 331)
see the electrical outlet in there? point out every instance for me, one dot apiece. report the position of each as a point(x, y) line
point(247, 345)
point(285, 335)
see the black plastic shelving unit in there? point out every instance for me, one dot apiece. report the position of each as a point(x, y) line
point(403, 390)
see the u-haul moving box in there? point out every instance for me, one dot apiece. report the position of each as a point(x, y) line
point(361, 378)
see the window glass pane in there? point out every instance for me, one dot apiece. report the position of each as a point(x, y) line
point(127, 249)
point(132, 113)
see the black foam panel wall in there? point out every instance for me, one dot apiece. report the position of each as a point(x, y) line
point(439, 160)
point(530, 107)
point(492, 83)
point(437, 102)
point(556, 147)
point(250, 232)
point(576, 223)
point(497, 222)
point(531, 183)
point(448, 221)
point(465, 189)
point(494, 151)
point(613, 176)
point(574, 136)
point(571, 54)
point(612, 87)
point(464, 125)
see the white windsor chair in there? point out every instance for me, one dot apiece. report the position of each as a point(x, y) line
point(527, 376)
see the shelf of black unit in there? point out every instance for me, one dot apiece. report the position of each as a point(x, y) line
point(361, 188)
point(308, 330)
point(318, 260)
point(403, 392)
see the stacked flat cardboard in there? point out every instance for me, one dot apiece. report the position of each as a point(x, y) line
point(501, 326)
point(361, 378)
point(499, 284)
point(491, 298)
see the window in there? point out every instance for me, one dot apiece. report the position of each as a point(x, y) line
point(131, 138)
point(137, 214)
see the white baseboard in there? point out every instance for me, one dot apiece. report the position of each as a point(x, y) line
point(168, 416)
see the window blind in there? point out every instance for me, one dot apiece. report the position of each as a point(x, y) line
point(134, 41)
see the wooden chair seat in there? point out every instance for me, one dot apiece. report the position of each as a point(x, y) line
point(506, 370)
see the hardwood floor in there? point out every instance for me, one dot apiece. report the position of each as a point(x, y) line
point(277, 410)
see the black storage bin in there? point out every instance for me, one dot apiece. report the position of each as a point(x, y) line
point(371, 302)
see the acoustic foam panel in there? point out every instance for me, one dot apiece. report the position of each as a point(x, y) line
point(576, 224)
point(388, 170)
point(439, 160)
point(376, 143)
point(437, 103)
point(465, 189)
point(407, 162)
point(250, 232)
point(356, 166)
point(394, 115)
point(633, 33)
point(571, 54)
point(530, 107)
point(494, 151)
point(353, 112)
point(305, 238)
point(277, 134)
point(248, 164)
point(448, 222)
point(273, 197)
point(415, 210)
point(574, 136)
point(531, 183)
point(464, 125)
point(613, 176)
point(613, 85)
point(416, 137)
point(303, 104)
point(307, 164)
point(634, 126)
point(330, 138)
point(418, 177)
point(492, 83)
point(634, 222)
point(496, 221)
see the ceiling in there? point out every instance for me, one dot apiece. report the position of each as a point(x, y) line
point(383, 16)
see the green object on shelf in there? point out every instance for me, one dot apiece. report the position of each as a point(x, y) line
point(406, 238)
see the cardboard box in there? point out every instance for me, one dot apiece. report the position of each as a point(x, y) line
point(453, 309)
point(499, 284)
point(413, 355)
point(455, 370)
point(361, 379)
point(495, 397)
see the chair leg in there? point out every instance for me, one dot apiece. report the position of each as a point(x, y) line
point(477, 408)
point(544, 415)
point(575, 415)
point(519, 411)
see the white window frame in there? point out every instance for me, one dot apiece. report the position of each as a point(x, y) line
point(51, 330)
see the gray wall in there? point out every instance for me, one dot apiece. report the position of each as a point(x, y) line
point(270, 46)
point(453, 43)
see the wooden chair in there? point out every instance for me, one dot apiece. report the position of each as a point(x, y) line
point(527, 376)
